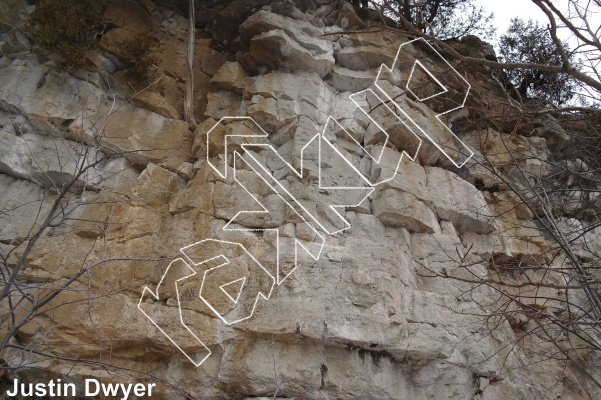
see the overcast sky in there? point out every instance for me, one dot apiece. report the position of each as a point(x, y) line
point(506, 9)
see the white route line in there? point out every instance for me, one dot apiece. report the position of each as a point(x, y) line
point(156, 297)
point(383, 67)
point(224, 174)
point(281, 189)
point(222, 287)
point(379, 158)
point(431, 75)
point(314, 248)
point(259, 170)
point(260, 294)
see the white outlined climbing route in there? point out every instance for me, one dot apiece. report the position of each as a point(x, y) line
point(223, 272)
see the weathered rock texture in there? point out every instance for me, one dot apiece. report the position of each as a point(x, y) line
point(364, 321)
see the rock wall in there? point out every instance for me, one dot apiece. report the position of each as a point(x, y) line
point(366, 320)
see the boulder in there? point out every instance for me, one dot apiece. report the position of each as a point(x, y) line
point(458, 201)
point(397, 208)
point(275, 49)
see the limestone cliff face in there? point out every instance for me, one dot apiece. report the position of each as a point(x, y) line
point(366, 320)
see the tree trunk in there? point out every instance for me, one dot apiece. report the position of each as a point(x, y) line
point(189, 98)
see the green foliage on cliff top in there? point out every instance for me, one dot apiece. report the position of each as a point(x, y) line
point(530, 42)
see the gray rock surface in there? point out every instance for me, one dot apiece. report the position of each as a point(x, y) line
point(371, 317)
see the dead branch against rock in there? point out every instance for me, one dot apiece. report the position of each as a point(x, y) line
point(30, 300)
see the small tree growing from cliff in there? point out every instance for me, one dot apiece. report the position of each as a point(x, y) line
point(69, 28)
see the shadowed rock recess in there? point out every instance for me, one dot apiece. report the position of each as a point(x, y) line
point(366, 320)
